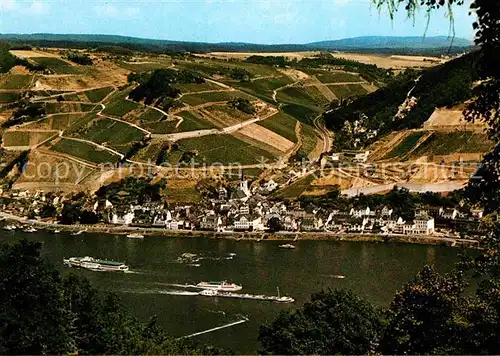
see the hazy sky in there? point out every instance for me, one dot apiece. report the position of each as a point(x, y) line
point(257, 21)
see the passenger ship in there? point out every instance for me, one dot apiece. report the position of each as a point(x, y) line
point(95, 264)
point(220, 286)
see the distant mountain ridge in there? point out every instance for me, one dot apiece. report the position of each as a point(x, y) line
point(393, 42)
point(367, 43)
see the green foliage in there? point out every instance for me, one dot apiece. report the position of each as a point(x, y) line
point(370, 72)
point(405, 146)
point(243, 105)
point(97, 95)
point(56, 65)
point(42, 313)
point(282, 124)
point(25, 113)
point(85, 151)
point(444, 85)
point(301, 113)
point(157, 86)
point(32, 315)
point(79, 58)
point(15, 81)
point(114, 133)
point(445, 143)
point(117, 50)
point(136, 191)
point(7, 60)
point(278, 61)
point(427, 316)
point(202, 98)
point(9, 97)
point(333, 322)
point(226, 149)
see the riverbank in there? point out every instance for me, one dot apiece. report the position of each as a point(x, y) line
point(249, 236)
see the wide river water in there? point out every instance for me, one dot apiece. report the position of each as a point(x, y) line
point(375, 271)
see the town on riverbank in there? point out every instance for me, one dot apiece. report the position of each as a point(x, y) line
point(240, 212)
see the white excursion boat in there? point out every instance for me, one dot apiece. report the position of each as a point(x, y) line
point(10, 227)
point(222, 294)
point(30, 229)
point(135, 236)
point(95, 264)
point(219, 286)
point(289, 246)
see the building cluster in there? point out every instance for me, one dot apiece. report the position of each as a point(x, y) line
point(243, 210)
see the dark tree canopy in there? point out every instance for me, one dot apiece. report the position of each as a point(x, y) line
point(42, 313)
point(333, 322)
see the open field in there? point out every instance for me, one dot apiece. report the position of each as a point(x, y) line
point(62, 107)
point(348, 91)
point(388, 61)
point(141, 66)
point(211, 67)
point(296, 189)
point(263, 88)
point(97, 95)
point(55, 122)
point(85, 151)
point(118, 105)
point(329, 77)
point(282, 124)
point(203, 98)
point(9, 97)
point(224, 149)
point(53, 172)
point(32, 54)
point(57, 65)
point(446, 119)
point(112, 133)
point(243, 55)
point(302, 113)
point(23, 139)
point(15, 81)
point(406, 145)
point(309, 139)
point(266, 137)
point(446, 143)
point(194, 88)
point(182, 192)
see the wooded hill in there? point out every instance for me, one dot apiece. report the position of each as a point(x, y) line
point(441, 86)
point(388, 45)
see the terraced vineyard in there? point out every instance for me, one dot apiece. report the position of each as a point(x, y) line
point(90, 120)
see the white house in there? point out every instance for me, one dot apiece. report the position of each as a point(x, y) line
point(424, 225)
point(450, 214)
point(248, 222)
point(123, 220)
point(359, 213)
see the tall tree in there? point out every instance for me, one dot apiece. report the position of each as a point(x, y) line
point(333, 322)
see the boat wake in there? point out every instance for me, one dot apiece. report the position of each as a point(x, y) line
point(133, 272)
point(336, 276)
point(155, 291)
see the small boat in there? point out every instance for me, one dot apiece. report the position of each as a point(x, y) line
point(30, 229)
point(57, 231)
point(338, 276)
point(289, 246)
point(219, 286)
point(78, 233)
point(135, 236)
point(95, 264)
point(9, 227)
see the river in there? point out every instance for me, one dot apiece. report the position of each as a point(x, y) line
point(373, 270)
